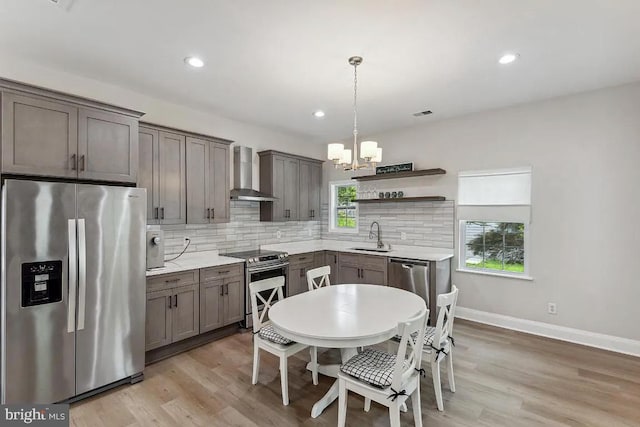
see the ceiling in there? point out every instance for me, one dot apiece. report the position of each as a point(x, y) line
point(274, 62)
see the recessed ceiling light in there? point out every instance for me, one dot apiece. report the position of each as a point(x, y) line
point(508, 58)
point(318, 114)
point(194, 61)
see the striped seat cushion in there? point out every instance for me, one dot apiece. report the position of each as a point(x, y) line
point(268, 333)
point(371, 366)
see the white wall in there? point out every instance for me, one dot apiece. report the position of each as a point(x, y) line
point(159, 111)
point(585, 239)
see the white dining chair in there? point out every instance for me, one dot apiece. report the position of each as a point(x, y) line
point(318, 277)
point(438, 342)
point(265, 336)
point(386, 378)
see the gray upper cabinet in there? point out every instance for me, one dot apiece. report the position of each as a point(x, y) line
point(39, 137)
point(148, 173)
point(186, 176)
point(310, 184)
point(207, 181)
point(173, 178)
point(295, 182)
point(219, 182)
point(107, 146)
point(198, 181)
point(51, 134)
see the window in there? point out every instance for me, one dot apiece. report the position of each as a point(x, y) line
point(493, 246)
point(494, 209)
point(343, 211)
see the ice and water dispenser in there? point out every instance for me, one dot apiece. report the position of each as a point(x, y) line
point(41, 283)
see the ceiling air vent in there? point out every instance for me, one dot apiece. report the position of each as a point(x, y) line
point(422, 113)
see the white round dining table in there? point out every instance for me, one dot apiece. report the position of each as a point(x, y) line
point(346, 317)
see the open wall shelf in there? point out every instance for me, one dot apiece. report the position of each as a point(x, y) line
point(404, 199)
point(410, 174)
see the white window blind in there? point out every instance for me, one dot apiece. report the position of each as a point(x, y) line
point(495, 195)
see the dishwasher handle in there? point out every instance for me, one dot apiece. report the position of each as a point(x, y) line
point(408, 263)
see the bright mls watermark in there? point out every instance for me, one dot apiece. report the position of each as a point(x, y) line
point(34, 415)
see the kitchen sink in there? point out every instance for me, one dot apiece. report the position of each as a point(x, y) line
point(371, 250)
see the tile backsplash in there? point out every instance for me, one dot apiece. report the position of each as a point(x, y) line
point(425, 224)
point(244, 232)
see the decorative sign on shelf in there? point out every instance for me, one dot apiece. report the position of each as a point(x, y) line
point(402, 167)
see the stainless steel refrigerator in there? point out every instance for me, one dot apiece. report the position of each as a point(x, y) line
point(73, 289)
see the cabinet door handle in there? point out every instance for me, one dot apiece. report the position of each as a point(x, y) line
point(155, 213)
point(161, 213)
point(74, 163)
point(82, 163)
point(213, 213)
point(223, 272)
point(175, 304)
point(170, 299)
point(226, 289)
point(208, 214)
point(221, 290)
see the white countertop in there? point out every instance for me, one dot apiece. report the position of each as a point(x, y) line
point(422, 253)
point(193, 261)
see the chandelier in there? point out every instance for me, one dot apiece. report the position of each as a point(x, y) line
point(369, 150)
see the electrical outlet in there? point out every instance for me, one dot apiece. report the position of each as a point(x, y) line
point(279, 234)
point(551, 308)
point(403, 235)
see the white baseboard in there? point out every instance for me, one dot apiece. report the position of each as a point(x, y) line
point(578, 336)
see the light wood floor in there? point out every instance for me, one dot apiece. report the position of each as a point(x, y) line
point(503, 378)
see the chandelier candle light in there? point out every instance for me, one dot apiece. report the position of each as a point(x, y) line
point(369, 150)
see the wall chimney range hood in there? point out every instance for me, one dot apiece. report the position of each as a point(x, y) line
point(243, 177)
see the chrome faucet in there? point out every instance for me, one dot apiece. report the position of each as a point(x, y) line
point(377, 234)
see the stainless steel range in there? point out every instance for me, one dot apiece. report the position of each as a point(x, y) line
point(261, 264)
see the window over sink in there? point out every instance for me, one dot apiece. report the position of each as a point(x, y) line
point(494, 214)
point(343, 211)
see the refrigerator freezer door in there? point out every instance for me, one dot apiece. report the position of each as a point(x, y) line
point(111, 293)
point(38, 345)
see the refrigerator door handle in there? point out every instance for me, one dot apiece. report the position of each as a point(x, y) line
point(73, 276)
point(82, 272)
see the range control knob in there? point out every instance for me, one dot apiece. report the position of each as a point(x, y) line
point(156, 240)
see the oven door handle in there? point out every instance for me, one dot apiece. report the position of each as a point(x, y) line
point(270, 267)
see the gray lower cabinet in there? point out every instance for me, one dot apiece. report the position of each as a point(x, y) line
point(173, 308)
point(331, 259)
point(295, 181)
point(185, 317)
point(185, 304)
point(298, 267)
point(107, 146)
point(211, 301)
point(50, 134)
point(207, 181)
point(172, 315)
point(233, 300)
point(158, 324)
point(221, 303)
point(366, 269)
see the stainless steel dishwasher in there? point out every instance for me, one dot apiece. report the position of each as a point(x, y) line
point(428, 279)
point(410, 275)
